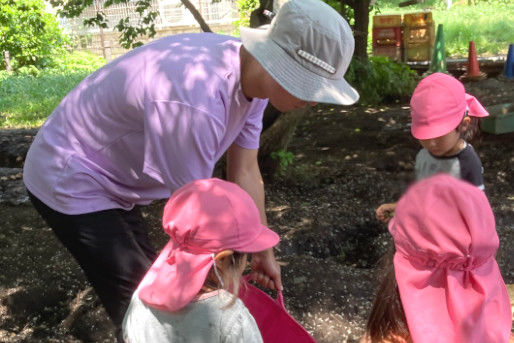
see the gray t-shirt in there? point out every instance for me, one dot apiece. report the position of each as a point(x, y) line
point(465, 165)
point(202, 321)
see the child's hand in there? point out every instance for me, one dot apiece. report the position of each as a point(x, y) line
point(385, 212)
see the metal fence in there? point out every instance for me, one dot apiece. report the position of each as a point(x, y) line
point(171, 13)
point(173, 18)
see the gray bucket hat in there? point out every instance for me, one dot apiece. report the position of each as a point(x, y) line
point(307, 49)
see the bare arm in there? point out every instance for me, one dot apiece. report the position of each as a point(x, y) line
point(243, 169)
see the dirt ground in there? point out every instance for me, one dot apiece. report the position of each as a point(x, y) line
point(348, 160)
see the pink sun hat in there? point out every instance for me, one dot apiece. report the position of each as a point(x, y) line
point(202, 218)
point(439, 104)
point(449, 281)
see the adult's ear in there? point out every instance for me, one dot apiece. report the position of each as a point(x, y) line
point(222, 254)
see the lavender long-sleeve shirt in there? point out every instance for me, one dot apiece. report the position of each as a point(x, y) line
point(144, 125)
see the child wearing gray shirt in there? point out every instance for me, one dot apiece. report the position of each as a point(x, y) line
point(189, 294)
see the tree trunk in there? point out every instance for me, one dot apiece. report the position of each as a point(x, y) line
point(343, 10)
point(277, 137)
point(360, 31)
point(189, 5)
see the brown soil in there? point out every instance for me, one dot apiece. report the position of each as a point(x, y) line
point(347, 161)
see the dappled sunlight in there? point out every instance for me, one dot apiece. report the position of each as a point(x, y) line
point(5, 292)
point(195, 72)
point(279, 210)
point(501, 177)
point(305, 222)
point(7, 336)
point(10, 336)
point(374, 110)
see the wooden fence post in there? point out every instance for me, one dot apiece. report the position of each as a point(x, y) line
point(107, 51)
point(7, 60)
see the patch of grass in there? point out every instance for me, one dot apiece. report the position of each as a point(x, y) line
point(488, 23)
point(28, 98)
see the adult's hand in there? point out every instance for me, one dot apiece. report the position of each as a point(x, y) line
point(266, 270)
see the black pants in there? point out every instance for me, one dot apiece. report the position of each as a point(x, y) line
point(111, 246)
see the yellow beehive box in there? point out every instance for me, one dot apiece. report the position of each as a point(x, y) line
point(387, 20)
point(419, 35)
point(417, 52)
point(418, 19)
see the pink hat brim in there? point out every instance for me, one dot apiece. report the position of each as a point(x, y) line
point(439, 307)
point(433, 131)
point(265, 240)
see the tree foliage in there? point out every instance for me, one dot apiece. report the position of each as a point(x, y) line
point(245, 8)
point(129, 33)
point(29, 34)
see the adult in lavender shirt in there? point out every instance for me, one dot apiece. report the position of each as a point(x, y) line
point(161, 116)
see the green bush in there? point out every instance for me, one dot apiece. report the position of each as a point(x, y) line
point(284, 159)
point(381, 79)
point(30, 35)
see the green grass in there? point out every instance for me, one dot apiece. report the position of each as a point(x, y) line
point(490, 24)
point(27, 98)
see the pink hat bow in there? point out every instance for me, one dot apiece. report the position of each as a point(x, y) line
point(475, 108)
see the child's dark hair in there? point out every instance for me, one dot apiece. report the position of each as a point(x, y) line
point(387, 318)
point(473, 132)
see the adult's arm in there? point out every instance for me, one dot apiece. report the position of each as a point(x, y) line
point(243, 169)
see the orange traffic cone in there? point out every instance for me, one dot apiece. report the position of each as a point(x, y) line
point(473, 72)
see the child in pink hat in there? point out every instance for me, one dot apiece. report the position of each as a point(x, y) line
point(444, 118)
point(443, 284)
point(189, 293)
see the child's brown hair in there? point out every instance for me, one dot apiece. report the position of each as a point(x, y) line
point(230, 275)
point(387, 318)
point(472, 134)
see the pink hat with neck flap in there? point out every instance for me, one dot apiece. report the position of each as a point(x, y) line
point(202, 218)
point(439, 104)
point(449, 281)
